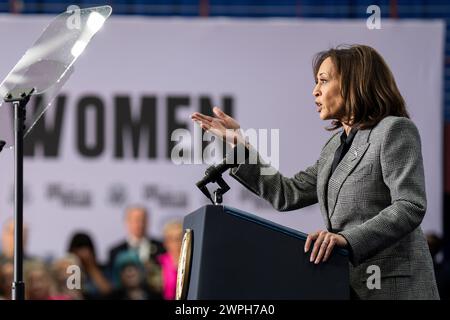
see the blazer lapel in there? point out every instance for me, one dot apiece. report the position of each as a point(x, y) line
point(323, 178)
point(345, 167)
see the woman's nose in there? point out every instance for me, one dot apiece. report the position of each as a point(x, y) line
point(316, 91)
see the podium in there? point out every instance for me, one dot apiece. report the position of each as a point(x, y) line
point(235, 255)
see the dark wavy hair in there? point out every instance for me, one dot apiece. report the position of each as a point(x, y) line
point(81, 240)
point(367, 85)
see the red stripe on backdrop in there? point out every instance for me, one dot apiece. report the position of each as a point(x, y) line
point(204, 8)
point(393, 6)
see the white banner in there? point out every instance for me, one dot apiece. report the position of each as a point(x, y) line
point(105, 143)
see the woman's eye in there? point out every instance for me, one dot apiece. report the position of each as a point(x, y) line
point(323, 80)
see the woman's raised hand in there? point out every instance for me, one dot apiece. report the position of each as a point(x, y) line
point(222, 125)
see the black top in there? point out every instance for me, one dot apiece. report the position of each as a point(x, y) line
point(346, 143)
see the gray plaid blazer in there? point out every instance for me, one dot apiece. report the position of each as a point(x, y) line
point(375, 199)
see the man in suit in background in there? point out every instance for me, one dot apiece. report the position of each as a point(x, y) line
point(136, 220)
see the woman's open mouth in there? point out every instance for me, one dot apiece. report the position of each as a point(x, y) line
point(319, 106)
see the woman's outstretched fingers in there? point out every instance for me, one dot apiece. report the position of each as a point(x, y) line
point(201, 117)
point(218, 125)
point(204, 126)
point(219, 113)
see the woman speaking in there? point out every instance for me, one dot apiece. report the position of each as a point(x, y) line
point(368, 179)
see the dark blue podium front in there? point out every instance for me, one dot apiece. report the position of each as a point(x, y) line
point(237, 255)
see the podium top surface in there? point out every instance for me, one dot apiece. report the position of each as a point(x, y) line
point(272, 225)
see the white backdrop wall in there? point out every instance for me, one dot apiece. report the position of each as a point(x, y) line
point(261, 69)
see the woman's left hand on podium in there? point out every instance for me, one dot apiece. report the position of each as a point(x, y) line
point(324, 242)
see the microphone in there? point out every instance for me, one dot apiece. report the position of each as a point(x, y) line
point(214, 172)
point(2, 144)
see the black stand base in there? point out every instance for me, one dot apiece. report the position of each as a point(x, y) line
point(18, 290)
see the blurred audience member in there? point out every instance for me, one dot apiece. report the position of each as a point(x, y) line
point(6, 279)
point(39, 285)
point(7, 271)
point(435, 244)
point(60, 268)
point(129, 276)
point(173, 234)
point(7, 253)
point(3, 286)
point(441, 267)
point(95, 284)
point(136, 221)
